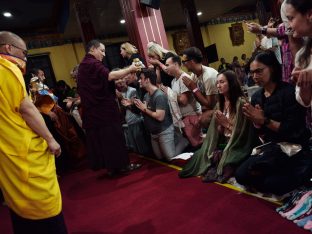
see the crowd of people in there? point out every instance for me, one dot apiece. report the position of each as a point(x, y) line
point(159, 108)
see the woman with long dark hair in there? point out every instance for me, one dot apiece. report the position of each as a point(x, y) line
point(299, 13)
point(285, 162)
point(230, 136)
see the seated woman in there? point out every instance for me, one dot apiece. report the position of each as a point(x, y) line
point(230, 136)
point(279, 119)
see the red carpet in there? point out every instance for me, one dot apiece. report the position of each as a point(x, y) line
point(154, 200)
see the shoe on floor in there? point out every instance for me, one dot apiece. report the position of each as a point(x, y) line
point(134, 166)
point(210, 176)
point(131, 167)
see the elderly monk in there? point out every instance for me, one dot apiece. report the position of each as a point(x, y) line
point(106, 145)
point(27, 148)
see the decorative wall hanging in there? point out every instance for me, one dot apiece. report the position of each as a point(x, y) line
point(181, 41)
point(237, 34)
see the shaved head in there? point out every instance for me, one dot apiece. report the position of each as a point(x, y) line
point(10, 38)
point(11, 43)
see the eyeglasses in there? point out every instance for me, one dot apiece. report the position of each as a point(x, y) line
point(257, 71)
point(25, 52)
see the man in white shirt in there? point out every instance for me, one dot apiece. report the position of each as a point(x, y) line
point(188, 105)
point(202, 82)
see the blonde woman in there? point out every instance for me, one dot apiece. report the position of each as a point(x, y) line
point(129, 52)
point(157, 57)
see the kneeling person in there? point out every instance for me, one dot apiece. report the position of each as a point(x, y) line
point(189, 107)
point(157, 117)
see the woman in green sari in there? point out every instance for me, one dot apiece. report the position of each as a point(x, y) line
point(230, 137)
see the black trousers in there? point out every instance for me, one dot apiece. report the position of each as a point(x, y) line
point(53, 225)
point(106, 147)
point(275, 172)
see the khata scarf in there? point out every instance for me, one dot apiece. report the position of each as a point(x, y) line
point(20, 63)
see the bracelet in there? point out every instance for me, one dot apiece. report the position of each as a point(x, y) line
point(144, 110)
point(195, 90)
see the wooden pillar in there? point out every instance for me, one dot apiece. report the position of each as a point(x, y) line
point(143, 24)
point(193, 27)
point(84, 21)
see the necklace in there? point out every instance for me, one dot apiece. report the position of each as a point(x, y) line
point(226, 110)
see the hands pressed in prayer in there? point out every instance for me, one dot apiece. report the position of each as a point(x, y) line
point(126, 102)
point(190, 84)
point(153, 61)
point(164, 89)
point(255, 114)
point(303, 77)
point(119, 94)
point(141, 105)
point(222, 120)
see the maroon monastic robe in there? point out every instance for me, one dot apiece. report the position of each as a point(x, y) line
point(100, 116)
point(98, 98)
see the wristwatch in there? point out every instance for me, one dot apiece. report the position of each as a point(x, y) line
point(264, 30)
point(267, 121)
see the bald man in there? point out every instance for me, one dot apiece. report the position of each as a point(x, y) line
point(27, 149)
